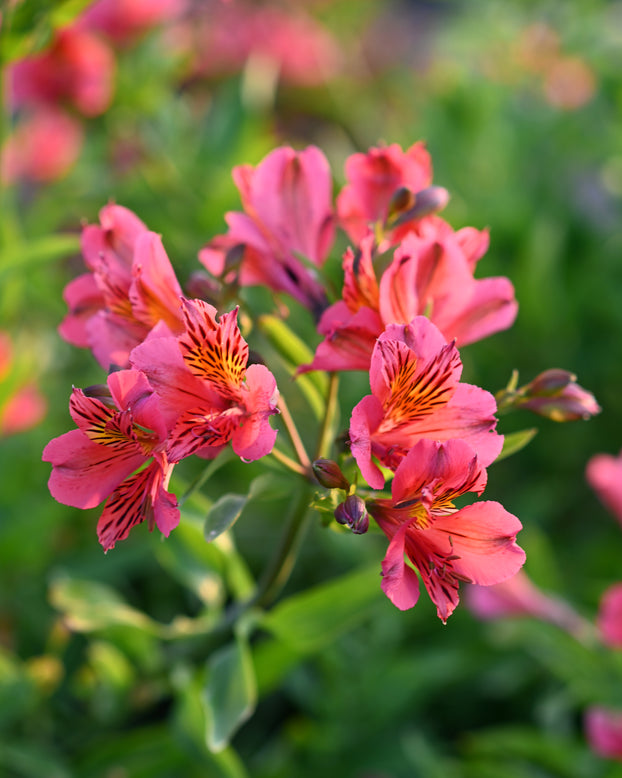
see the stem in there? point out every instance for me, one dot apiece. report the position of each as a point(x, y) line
point(289, 462)
point(276, 574)
point(323, 446)
point(295, 438)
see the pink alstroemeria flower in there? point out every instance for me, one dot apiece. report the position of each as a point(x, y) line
point(604, 475)
point(22, 406)
point(288, 212)
point(122, 21)
point(603, 729)
point(208, 394)
point(416, 393)
point(431, 274)
point(131, 288)
point(118, 452)
point(476, 544)
point(388, 188)
point(609, 620)
point(77, 69)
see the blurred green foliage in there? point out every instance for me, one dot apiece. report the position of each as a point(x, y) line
point(109, 666)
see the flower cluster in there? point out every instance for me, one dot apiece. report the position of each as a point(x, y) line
point(181, 383)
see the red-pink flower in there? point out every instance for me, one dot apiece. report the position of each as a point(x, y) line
point(43, 147)
point(118, 452)
point(431, 274)
point(475, 544)
point(609, 619)
point(22, 405)
point(208, 394)
point(604, 475)
point(288, 213)
point(131, 288)
point(603, 729)
point(388, 188)
point(416, 393)
point(77, 69)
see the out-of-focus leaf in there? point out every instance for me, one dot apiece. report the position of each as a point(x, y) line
point(30, 761)
point(39, 251)
point(230, 692)
point(314, 618)
point(223, 514)
point(516, 441)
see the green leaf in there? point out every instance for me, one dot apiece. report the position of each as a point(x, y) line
point(515, 441)
point(223, 514)
point(230, 693)
point(36, 252)
point(315, 618)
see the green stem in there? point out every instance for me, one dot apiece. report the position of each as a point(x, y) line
point(324, 440)
point(289, 463)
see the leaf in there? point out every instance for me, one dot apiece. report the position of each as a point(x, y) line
point(223, 514)
point(314, 618)
point(39, 251)
point(230, 692)
point(516, 441)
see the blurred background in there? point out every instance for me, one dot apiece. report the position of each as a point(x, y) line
point(102, 658)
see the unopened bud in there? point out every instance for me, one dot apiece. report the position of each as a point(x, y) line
point(329, 474)
point(425, 202)
point(556, 395)
point(100, 392)
point(352, 512)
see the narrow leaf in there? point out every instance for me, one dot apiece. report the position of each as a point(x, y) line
point(223, 514)
point(515, 441)
point(230, 693)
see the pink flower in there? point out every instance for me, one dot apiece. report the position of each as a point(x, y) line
point(131, 288)
point(43, 147)
point(288, 212)
point(122, 21)
point(609, 619)
point(430, 274)
point(518, 596)
point(604, 475)
point(475, 544)
point(77, 70)
point(22, 406)
point(603, 729)
point(118, 452)
point(390, 188)
point(208, 394)
point(416, 393)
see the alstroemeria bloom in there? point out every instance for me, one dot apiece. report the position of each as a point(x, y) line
point(122, 21)
point(132, 287)
point(390, 188)
point(604, 475)
point(475, 544)
point(77, 69)
point(208, 394)
point(609, 619)
point(288, 212)
point(118, 452)
point(603, 729)
point(416, 393)
point(431, 274)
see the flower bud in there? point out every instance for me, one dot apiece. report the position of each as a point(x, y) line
point(423, 203)
point(353, 513)
point(329, 474)
point(556, 395)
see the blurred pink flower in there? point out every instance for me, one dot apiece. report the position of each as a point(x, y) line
point(609, 620)
point(122, 21)
point(475, 544)
point(390, 188)
point(43, 147)
point(603, 729)
point(223, 37)
point(287, 212)
point(431, 274)
point(518, 596)
point(208, 394)
point(131, 288)
point(77, 70)
point(120, 429)
point(23, 406)
point(604, 475)
point(416, 393)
